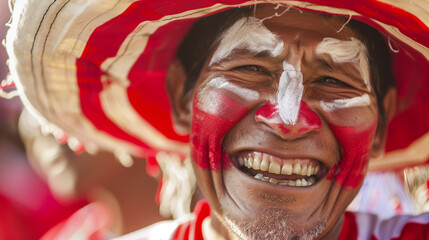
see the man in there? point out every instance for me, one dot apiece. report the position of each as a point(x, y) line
point(286, 112)
point(283, 108)
point(283, 122)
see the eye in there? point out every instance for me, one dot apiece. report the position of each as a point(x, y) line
point(330, 81)
point(251, 68)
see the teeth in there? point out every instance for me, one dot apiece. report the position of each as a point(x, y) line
point(250, 162)
point(265, 164)
point(284, 182)
point(284, 167)
point(240, 161)
point(273, 180)
point(304, 182)
point(274, 167)
point(287, 168)
point(258, 176)
point(310, 170)
point(257, 162)
point(297, 168)
point(316, 170)
point(303, 170)
point(298, 183)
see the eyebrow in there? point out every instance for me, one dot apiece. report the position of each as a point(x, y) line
point(336, 67)
point(242, 52)
point(320, 62)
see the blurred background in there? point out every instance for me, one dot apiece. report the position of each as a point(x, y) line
point(50, 188)
point(27, 207)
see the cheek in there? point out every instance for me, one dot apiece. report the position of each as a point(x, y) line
point(214, 114)
point(356, 144)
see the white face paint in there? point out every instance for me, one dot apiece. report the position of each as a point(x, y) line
point(353, 51)
point(290, 93)
point(252, 35)
point(244, 93)
point(346, 103)
point(247, 33)
point(208, 102)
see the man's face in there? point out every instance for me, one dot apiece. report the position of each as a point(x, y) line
point(284, 116)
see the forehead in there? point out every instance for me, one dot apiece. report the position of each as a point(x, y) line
point(294, 23)
point(305, 22)
point(299, 33)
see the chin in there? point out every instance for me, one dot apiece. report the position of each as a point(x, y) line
point(253, 208)
point(273, 223)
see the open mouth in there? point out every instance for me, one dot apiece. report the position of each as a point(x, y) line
point(296, 172)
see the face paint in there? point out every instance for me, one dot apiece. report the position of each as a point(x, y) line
point(247, 33)
point(244, 93)
point(307, 120)
point(290, 110)
point(356, 145)
point(216, 109)
point(353, 51)
point(290, 93)
point(360, 101)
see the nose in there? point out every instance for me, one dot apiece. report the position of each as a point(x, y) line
point(307, 121)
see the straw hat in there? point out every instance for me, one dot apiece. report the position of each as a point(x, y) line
point(96, 68)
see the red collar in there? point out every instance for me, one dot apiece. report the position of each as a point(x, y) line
point(193, 228)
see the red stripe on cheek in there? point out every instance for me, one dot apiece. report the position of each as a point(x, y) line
point(354, 161)
point(208, 129)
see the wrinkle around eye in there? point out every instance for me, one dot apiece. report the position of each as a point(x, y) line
point(334, 82)
point(248, 78)
point(327, 94)
point(266, 65)
point(339, 83)
point(251, 68)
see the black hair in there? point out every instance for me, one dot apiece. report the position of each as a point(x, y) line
point(202, 38)
point(380, 62)
point(204, 35)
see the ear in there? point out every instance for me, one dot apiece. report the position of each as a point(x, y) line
point(379, 141)
point(180, 105)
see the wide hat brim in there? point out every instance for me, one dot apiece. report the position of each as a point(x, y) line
point(96, 69)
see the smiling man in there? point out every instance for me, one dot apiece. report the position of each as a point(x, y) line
point(278, 106)
point(284, 119)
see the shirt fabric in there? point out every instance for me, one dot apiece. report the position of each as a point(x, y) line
point(357, 226)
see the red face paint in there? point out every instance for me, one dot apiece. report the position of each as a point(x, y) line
point(307, 120)
point(208, 129)
point(356, 145)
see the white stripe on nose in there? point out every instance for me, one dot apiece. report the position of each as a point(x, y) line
point(290, 93)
